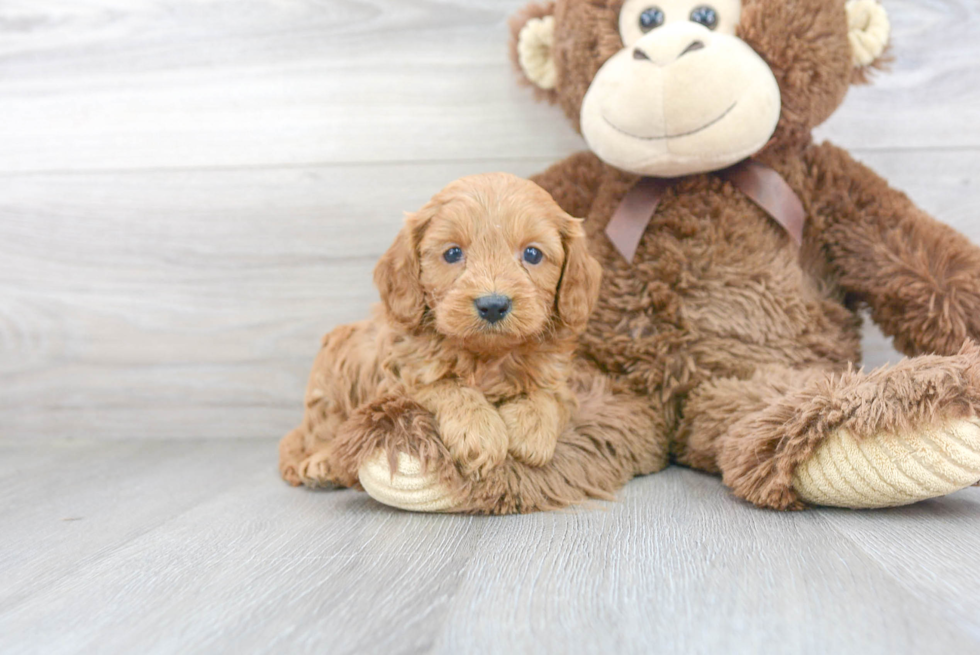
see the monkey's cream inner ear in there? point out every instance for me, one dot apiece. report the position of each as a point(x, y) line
point(534, 52)
point(868, 31)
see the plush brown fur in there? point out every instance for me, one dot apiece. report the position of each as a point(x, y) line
point(726, 345)
point(491, 388)
point(719, 298)
point(723, 343)
point(745, 343)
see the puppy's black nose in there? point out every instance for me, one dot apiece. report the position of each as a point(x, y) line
point(492, 308)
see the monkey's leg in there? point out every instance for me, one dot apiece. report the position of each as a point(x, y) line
point(613, 437)
point(786, 439)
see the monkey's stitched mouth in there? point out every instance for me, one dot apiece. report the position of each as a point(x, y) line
point(671, 136)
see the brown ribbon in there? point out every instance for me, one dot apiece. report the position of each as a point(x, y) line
point(760, 183)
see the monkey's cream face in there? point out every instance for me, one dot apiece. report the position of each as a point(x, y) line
point(685, 95)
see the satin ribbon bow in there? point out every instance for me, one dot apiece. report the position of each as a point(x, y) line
point(760, 183)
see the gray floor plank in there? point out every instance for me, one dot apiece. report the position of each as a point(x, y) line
point(931, 549)
point(679, 566)
point(221, 556)
point(252, 565)
point(76, 504)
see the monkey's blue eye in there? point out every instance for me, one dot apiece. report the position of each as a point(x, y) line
point(453, 255)
point(532, 255)
point(706, 16)
point(651, 18)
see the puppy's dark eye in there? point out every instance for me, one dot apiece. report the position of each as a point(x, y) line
point(706, 16)
point(453, 255)
point(651, 18)
point(532, 255)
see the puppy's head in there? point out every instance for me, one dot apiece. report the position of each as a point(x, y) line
point(489, 262)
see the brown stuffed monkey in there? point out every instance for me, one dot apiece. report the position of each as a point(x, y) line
point(736, 255)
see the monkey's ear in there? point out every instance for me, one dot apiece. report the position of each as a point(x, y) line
point(532, 39)
point(868, 30)
point(398, 271)
point(581, 276)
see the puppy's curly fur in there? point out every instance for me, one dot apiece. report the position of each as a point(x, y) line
point(493, 385)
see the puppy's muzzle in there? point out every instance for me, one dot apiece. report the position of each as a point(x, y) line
point(493, 308)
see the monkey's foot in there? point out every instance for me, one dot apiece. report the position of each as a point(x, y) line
point(889, 470)
point(408, 488)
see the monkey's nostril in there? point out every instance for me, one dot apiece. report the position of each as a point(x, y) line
point(640, 55)
point(697, 45)
point(492, 308)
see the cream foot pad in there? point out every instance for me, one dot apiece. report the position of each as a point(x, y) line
point(891, 470)
point(408, 489)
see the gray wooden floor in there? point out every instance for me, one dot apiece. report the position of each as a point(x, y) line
point(193, 191)
point(148, 546)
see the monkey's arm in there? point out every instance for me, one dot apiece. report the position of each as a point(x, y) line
point(920, 278)
point(573, 182)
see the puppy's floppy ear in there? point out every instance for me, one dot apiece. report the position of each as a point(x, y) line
point(532, 39)
point(398, 271)
point(580, 278)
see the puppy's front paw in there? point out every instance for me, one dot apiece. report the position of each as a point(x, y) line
point(533, 430)
point(477, 440)
point(316, 472)
point(290, 474)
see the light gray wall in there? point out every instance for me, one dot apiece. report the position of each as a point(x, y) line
point(192, 192)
